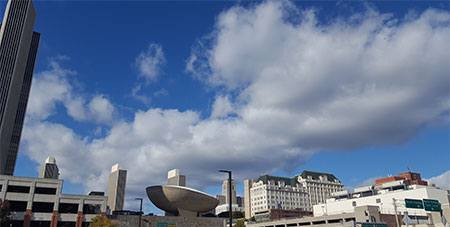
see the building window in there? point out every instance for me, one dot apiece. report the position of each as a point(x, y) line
point(378, 200)
point(67, 223)
point(41, 207)
point(18, 206)
point(68, 208)
point(18, 189)
point(46, 191)
point(91, 209)
point(354, 203)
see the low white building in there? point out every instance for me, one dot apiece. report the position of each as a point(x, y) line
point(383, 197)
point(39, 202)
point(226, 207)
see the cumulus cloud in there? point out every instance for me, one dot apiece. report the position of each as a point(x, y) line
point(294, 87)
point(149, 62)
point(442, 180)
point(54, 86)
point(359, 81)
point(221, 107)
point(48, 88)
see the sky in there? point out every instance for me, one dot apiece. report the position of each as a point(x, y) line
point(357, 89)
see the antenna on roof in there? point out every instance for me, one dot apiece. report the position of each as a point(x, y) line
point(409, 169)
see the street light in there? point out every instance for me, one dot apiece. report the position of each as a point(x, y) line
point(140, 211)
point(230, 211)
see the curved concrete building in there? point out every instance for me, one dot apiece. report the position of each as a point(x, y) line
point(178, 200)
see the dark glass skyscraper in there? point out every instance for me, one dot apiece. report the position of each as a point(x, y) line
point(18, 50)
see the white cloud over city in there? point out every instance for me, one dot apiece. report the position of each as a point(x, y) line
point(442, 180)
point(287, 87)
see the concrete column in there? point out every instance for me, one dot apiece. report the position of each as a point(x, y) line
point(4, 188)
point(31, 195)
point(79, 219)
point(27, 218)
point(54, 222)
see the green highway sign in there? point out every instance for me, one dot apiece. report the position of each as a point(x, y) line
point(381, 225)
point(165, 224)
point(414, 203)
point(431, 205)
point(371, 224)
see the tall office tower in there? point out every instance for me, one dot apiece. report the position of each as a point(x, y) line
point(116, 187)
point(18, 50)
point(49, 169)
point(225, 192)
point(174, 178)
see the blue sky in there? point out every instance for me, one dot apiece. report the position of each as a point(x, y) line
point(358, 89)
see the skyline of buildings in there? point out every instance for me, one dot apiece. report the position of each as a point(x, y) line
point(319, 196)
point(18, 51)
point(403, 200)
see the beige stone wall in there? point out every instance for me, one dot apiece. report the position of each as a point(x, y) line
point(152, 221)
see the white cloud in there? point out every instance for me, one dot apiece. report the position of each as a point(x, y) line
point(53, 86)
point(101, 109)
point(161, 92)
point(442, 180)
point(221, 107)
point(359, 81)
point(144, 99)
point(293, 88)
point(49, 87)
point(149, 63)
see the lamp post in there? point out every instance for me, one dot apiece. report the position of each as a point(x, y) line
point(140, 211)
point(230, 211)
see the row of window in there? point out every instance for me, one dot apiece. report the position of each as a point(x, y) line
point(26, 189)
point(64, 208)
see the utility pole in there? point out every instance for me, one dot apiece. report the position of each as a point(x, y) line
point(230, 212)
point(140, 211)
point(395, 210)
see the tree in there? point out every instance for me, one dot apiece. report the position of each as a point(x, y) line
point(238, 214)
point(5, 213)
point(240, 223)
point(102, 221)
point(253, 218)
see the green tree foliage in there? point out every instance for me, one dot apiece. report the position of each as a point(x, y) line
point(240, 223)
point(5, 213)
point(253, 218)
point(102, 221)
point(238, 214)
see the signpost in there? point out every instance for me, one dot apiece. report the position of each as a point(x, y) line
point(432, 205)
point(414, 203)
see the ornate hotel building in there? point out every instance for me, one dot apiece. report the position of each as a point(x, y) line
point(299, 192)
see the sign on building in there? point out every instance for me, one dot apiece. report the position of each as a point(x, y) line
point(372, 224)
point(165, 224)
point(414, 203)
point(431, 205)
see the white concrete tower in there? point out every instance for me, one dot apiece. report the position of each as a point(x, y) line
point(116, 187)
point(49, 170)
